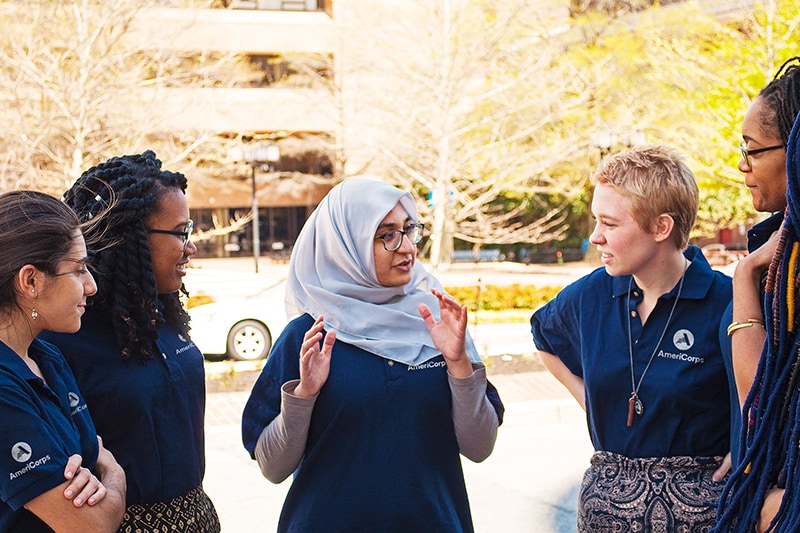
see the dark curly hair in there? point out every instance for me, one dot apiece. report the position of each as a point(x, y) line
point(126, 190)
point(782, 99)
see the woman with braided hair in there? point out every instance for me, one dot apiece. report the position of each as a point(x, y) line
point(142, 376)
point(763, 493)
point(765, 132)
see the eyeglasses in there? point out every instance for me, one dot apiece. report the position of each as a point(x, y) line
point(392, 240)
point(747, 153)
point(184, 235)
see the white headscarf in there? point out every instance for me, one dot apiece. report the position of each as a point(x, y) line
point(332, 273)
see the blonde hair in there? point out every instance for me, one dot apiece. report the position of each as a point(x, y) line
point(656, 181)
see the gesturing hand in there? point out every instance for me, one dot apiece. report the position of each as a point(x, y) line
point(315, 360)
point(449, 333)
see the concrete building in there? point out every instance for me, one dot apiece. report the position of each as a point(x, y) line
point(289, 105)
point(326, 64)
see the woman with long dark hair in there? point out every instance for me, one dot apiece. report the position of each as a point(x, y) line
point(763, 493)
point(142, 375)
point(46, 432)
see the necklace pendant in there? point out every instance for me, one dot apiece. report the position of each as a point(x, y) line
point(631, 408)
point(638, 406)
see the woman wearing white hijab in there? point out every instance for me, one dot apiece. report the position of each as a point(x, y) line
point(368, 396)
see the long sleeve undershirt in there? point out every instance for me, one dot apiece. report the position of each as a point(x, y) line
point(281, 445)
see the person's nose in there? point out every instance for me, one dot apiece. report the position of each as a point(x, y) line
point(743, 166)
point(90, 286)
point(406, 246)
point(191, 249)
point(596, 236)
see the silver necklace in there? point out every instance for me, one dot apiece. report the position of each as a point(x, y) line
point(635, 404)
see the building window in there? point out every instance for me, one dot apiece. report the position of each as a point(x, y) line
point(273, 5)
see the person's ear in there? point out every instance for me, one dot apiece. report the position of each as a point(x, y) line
point(29, 279)
point(664, 224)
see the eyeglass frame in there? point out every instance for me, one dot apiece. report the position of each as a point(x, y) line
point(403, 233)
point(746, 153)
point(185, 234)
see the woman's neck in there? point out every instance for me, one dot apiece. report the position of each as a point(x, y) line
point(17, 333)
point(659, 279)
point(661, 276)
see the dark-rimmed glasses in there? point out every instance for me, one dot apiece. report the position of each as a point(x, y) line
point(747, 153)
point(393, 240)
point(184, 235)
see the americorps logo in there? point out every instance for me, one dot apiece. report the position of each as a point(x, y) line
point(429, 364)
point(21, 452)
point(683, 339)
point(74, 399)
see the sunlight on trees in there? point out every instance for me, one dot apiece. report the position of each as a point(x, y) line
point(487, 110)
point(75, 89)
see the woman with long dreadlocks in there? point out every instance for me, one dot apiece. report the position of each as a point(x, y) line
point(142, 376)
point(765, 132)
point(764, 490)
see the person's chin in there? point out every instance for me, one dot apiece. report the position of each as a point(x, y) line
point(613, 270)
point(399, 280)
point(173, 286)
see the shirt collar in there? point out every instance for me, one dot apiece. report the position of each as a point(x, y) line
point(696, 285)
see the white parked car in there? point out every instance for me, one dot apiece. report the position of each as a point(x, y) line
point(241, 328)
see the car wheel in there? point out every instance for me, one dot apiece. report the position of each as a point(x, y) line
point(249, 340)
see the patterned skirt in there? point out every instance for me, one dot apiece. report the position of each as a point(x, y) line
point(191, 513)
point(653, 495)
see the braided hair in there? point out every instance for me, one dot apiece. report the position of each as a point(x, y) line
point(782, 99)
point(125, 190)
point(772, 455)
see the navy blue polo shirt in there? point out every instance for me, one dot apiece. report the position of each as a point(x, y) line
point(756, 237)
point(685, 390)
point(150, 415)
point(43, 425)
point(381, 453)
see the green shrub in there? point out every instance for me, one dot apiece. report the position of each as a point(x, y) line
point(503, 297)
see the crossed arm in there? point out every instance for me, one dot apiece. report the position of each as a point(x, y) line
point(62, 507)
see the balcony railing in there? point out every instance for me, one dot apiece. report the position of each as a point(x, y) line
point(276, 5)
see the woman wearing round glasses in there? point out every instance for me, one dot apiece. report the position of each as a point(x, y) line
point(754, 492)
point(142, 376)
point(765, 132)
point(371, 394)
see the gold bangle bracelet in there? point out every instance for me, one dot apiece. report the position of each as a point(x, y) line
point(739, 325)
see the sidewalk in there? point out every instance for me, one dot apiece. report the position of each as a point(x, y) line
point(529, 483)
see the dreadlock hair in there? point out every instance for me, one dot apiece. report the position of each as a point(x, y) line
point(771, 436)
point(782, 99)
point(125, 190)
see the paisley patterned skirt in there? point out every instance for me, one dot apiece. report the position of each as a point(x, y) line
point(653, 495)
point(191, 513)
